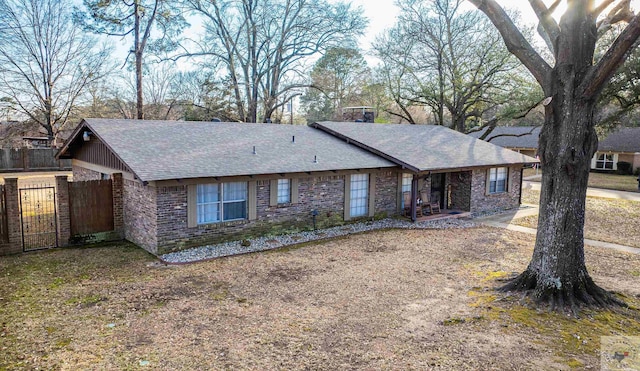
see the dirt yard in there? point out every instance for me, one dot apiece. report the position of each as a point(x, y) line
point(383, 300)
point(606, 219)
point(603, 180)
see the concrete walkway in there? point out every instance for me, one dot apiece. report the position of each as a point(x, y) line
point(505, 221)
point(592, 192)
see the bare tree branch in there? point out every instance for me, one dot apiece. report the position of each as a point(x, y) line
point(602, 72)
point(547, 27)
point(516, 42)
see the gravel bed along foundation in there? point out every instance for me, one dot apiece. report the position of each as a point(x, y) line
point(273, 242)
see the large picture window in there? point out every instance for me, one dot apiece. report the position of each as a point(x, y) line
point(284, 191)
point(497, 180)
point(605, 161)
point(221, 202)
point(359, 195)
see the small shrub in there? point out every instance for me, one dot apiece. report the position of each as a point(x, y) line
point(637, 171)
point(624, 168)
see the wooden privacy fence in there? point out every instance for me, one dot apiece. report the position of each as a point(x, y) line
point(4, 232)
point(31, 159)
point(91, 207)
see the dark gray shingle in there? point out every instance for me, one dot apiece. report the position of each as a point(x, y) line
point(160, 150)
point(621, 140)
point(426, 147)
point(529, 138)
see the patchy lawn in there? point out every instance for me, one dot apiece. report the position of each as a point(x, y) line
point(396, 299)
point(614, 181)
point(607, 219)
point(604, 180)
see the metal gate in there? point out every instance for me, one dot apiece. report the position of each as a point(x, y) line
point(38, 217)
point(4, 230)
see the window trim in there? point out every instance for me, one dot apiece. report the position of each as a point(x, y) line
point(365, 207)
point(605, 161)
point(221, 202)
point(279, 194)
point(496, 180)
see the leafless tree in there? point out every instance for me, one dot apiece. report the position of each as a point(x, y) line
point(448, 59)
point(264, 43)
point(140, 19)
point(46, 62)
point(572, 84)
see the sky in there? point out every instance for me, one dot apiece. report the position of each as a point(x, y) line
point(382, 15)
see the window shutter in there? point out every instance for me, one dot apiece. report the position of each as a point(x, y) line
point(399, 193)
point(273, 192)
point(192, 206)
point(507, 186)
point(252, 202)
point(593, 160)
point(347, 197)
point(488, 182)
point(615, 161)
point(372, 194)
point(294, 190)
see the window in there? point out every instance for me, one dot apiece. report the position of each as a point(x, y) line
point(406, 185)
point(605, 161)
point(498, 180)
point(284, 191)
point(359, 195)
point(221, 202)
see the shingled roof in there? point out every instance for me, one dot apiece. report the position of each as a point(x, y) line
point(424, 147)
point(622, 140)
point(162, 150)
point(512, 136)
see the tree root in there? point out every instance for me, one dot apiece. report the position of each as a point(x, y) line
point(582, 292)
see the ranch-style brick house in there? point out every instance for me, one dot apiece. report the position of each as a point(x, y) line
point(190, 184)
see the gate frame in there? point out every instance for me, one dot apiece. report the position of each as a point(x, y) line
point(55, 218)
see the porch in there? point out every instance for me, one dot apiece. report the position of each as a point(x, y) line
point(448, 191)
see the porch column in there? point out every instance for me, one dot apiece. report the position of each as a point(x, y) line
point(414, 196)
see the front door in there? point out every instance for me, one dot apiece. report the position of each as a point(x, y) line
point(437, 189)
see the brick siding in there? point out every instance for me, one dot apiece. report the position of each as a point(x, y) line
point(81, 174)
point(14, 246)
point(386, 193)
point(325, 194)
point(139, 215)
point(62, 210)
point(483, 202)
point(460, 190)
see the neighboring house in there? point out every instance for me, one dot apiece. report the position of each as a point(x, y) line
point(620, 145)
point(196, 183)
point(522, 139)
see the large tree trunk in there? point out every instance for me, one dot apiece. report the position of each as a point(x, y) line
point(557, 272)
